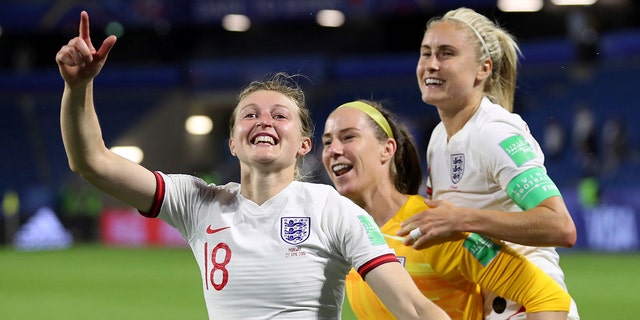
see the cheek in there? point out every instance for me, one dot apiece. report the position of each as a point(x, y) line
point(325, 157)
point(240, 130)
point(420, 68)
point(465, 73)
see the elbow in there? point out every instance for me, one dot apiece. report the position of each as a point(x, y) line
point(564, 229)
point(84, 167)
point(79, 168)
point(569, 235)
point(571, 240)
point(75, 168)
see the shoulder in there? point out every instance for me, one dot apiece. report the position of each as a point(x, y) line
point(324, 197)
point(189, 183)
point(438, 132)
point(437, 139)
point(491, 116)
point(314, 190)
point(414, 204)
point(312, 186)
point(492, 125)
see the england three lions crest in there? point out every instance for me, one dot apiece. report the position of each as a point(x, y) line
point(295, 230)
point(457, 167)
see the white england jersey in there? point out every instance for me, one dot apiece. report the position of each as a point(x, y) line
point(284, 259)
point(491, 161)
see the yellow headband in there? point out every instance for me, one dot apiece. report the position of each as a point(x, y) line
point(373, 113)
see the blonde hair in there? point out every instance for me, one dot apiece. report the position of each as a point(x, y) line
point(494, 42)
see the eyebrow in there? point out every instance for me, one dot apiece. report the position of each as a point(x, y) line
point(275, 106)
point(326, 134)
point(442, 46)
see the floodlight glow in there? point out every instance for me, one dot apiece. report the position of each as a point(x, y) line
point(236, 22)
point(573, 2)
point(198, 125)
point(520, 5)
point(132, 153)
point(330, 18)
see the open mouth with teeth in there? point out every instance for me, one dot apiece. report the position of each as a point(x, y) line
point(264, 140)
point(340, 169)
point(433, 81)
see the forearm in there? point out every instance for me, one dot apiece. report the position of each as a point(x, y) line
point(90, 158)
point(81, 134)
point(540, 226)
point(395, 288)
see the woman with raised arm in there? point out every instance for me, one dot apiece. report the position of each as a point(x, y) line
point(270, 247)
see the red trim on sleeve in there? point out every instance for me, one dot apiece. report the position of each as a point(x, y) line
point(378, 261)
point(157, 198)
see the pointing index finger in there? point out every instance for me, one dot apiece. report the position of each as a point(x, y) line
point(84, 29)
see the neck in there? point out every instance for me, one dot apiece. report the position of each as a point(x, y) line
point(454, 119)
point(260, 186)
point(382, 203)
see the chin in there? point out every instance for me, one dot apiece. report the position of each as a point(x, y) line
point(343, 190)
point(427, 98)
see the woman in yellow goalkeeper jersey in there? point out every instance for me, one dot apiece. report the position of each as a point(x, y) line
point(373, 160)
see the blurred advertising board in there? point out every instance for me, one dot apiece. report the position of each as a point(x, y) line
point(126, 227)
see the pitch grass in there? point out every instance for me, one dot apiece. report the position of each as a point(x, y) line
point(604, 285)
point(96, 282)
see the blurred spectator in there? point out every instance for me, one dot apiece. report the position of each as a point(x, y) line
point(582, 28)
point(23, 58)
point(553, 139)
point(80, 207)
point(585, 139)
point(10, 214)
point(615, 142)
point(589, 192)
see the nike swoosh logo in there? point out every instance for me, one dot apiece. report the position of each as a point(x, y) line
point(212, 231)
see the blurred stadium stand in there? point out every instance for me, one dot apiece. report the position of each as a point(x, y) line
point(174, 59)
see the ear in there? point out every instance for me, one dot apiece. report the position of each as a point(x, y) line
point(486, 67)
point(388, 150)
point(305, 147)
point(232, 147)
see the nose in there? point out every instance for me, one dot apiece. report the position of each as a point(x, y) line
point(334, 148)
point(430, 63)
point(265, 120)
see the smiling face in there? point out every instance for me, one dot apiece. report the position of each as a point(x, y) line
point(448, 70)
point(352, 155)
point(267, 131)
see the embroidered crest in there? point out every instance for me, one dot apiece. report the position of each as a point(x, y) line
point(295, 230)
point(457, 167)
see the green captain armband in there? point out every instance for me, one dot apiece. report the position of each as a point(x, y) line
point(531, 187)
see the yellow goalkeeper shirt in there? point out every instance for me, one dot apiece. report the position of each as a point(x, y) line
point(452, 272)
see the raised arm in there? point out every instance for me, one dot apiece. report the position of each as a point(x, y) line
point(79, 63)
point(395, 288)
